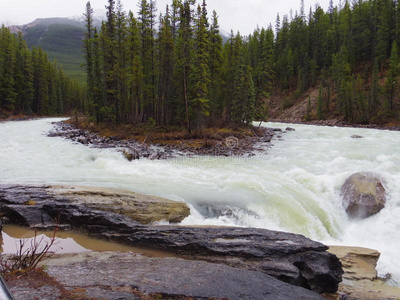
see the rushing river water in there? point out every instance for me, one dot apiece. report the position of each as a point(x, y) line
point(294, 186)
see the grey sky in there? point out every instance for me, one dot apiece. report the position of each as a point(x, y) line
point(242, 15)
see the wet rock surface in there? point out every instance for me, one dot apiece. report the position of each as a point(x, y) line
point(144, 209)
point(38, 206)
point(288, 257)
point(133, 150)
point(363, 195)
point(120, 275)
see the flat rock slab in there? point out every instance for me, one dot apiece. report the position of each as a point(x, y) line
point(116, 274)
point(25, 204)
point(144, 209)
point(360, 278)
point(288, 257)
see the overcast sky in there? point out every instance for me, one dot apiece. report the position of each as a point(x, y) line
point(242, 15)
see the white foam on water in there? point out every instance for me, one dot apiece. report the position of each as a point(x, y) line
point(295, 187)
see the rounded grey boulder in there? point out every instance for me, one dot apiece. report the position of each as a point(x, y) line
point(363, 195)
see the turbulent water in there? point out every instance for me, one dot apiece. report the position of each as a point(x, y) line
point(293, 186)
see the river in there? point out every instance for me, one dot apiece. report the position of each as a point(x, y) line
point(293, 186)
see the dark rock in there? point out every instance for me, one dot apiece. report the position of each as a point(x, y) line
point(277, 129)
point(209, 210)
point(363, 195)
point(103, 146)
point(37, 207)
point(54, 134)
point(290, 129)
point(245, 147)
point(266, 139)
point(109, 272)
point(271, 252)
point(30, 216)
point(155, 155)
point(291, 258)
point(131, 154)
point(355, 136)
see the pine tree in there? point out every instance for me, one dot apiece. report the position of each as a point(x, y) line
point(320, 103)
point(391, 80)
point(108, 112)
point(98, 78)
point(121, 68)
point(183, 63)
point(373, 103)
point(146, 18)
point(23, 77)
point(165, 68)
point(384, 16)
point(135, 66)
point(88, 48)
point(216, 68)
point(265, 68)
point(244, 96)
point(8, 95)
point(201, 72)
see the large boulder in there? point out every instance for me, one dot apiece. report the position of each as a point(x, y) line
point(363, 195)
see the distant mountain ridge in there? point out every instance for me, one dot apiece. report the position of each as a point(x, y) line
point(62, 39)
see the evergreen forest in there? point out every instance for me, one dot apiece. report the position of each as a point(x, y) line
point(30, 84)
point(173, 68)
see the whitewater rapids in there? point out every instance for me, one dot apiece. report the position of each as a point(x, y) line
point(293, 186)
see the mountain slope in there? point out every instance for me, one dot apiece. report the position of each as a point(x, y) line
point(61, 38)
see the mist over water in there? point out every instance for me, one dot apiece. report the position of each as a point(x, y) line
point(293, 186)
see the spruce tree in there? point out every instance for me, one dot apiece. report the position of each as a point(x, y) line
point(135, 65)
point(216, 68)
point(108, 112)
point(374, 96)
point(88, 48)
point(391, 80)
point(166, 46)
point(320, 103)
point(201, 72)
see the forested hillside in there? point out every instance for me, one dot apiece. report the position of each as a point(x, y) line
point(60, 38)
point(349, 53)
point(170, 69)
point(30, 84)
point(174, 69)
point(62, 43)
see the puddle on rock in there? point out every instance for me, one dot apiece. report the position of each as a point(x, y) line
point(66, 242)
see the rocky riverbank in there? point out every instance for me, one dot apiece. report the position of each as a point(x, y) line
point(219, 145)
point(199, 262)
point(91, 275)
point(257, 256)
point(335, 123)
